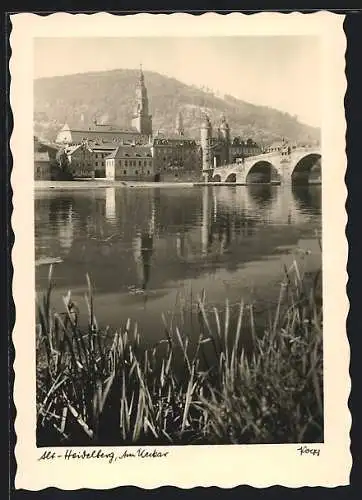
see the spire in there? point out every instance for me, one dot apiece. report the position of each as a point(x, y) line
point(179, 124)
point(225, 129)
point(224, 124)
point(142, 77)
point(142, 120)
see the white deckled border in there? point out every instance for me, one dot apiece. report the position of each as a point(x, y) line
point(187, 466)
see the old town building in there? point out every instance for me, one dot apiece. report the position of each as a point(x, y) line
point(243, 149)
point(175, 157)
point(80, 159)
point(100, 151)
point(130, 163)
point(44, 160)
point(42, 166)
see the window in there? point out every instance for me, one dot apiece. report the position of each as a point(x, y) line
point(145, 163)
point(96, 164)
point(124, 172)
point(126, 162)
point(148, 172)
point(139, 163)
point(136, 172)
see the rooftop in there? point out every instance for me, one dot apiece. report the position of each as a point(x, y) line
point(131, 152)
point(172, 140)
point(97, 146)
point(101, 128)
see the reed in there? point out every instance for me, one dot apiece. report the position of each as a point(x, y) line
point(236, 383)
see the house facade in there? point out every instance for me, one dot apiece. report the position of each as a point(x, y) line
point(100, 151)
point(80, 161)
point(176, 157)
point(42, 166)
point(243, 149)
point(130, 163)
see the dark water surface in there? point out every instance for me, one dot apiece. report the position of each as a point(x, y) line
point(153, 250)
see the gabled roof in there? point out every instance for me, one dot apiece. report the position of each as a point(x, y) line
point(102, 146)
point(72, 149)
point(172, 140)
point(131, 152)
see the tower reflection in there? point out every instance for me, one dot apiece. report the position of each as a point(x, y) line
point(144, 248)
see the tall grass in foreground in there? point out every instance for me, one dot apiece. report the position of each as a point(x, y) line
point(101, 387)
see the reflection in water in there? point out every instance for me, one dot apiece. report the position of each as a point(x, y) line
point(159, 241)
point(66, 231)
point(262, 194)
point(308, 197)
point(146, 252)
point(110, 210)
point(144, 244)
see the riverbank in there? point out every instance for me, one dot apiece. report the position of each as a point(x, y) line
point(102, 183)
point(103, 388)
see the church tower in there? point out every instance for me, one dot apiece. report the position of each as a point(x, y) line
point(180, 124)
point(142, 120)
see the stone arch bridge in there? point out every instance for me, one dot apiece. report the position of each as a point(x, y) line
point(299, 165)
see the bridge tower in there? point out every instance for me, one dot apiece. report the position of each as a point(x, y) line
point(225, 135)
point(180, 124)
point(205, 141)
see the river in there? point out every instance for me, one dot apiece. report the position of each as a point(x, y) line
point(150, 251)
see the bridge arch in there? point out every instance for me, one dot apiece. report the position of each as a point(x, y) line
point(307, 169)
point(262, 172)
point(216, 178)
point(231, 177)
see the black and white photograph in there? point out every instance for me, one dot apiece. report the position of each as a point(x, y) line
point(178, 242)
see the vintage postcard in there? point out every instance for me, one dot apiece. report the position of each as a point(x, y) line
point(180, 251)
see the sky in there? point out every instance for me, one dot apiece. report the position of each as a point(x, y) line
point(283, 72)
